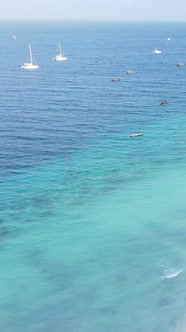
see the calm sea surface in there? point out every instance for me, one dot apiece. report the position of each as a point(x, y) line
point(92, 222)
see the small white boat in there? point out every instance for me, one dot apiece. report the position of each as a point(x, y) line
point(180, 64)
point(168, 39)
point(130, 72)
point(30, 65)
point(156, 51)
point(136, 135)
point(115, 79)
point(60, 57)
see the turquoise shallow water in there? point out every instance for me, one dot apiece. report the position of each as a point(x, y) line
point(92, 223)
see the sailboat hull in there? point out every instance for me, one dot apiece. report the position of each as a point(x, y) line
point(29, 66)
point(60, 58)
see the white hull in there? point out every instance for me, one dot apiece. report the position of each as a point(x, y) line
point(156, 52)
point(29, 66)
point(60, 58)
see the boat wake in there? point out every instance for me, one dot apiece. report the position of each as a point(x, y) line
point(172, 275)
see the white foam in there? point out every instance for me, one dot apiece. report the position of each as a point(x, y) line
point(172, 275)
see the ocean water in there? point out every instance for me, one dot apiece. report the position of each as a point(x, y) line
point(92, 222)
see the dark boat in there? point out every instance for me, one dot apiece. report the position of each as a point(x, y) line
point(164, 102)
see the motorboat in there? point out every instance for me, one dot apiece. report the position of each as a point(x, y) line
point(180, 64)
point(164, 102)
point(136, 135)
point(115, 79)
point(156, 51)
point(130, 72)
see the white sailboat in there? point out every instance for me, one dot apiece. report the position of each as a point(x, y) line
point(30, 65)
point(60, 57)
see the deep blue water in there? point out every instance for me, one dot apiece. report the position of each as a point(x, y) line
point(92, 222)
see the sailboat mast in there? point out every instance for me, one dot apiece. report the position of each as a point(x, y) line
point(30, 53)
point(60, 49)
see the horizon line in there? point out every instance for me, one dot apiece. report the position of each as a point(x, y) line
point(50, 20)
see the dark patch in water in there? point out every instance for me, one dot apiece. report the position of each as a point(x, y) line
point(164, 302)
point(41, 201)
point(47, 214)
point(109, 310)
point(89, 296)
point(28, 220)
point(3, 231)
point(52, 271)
point(120, 280)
